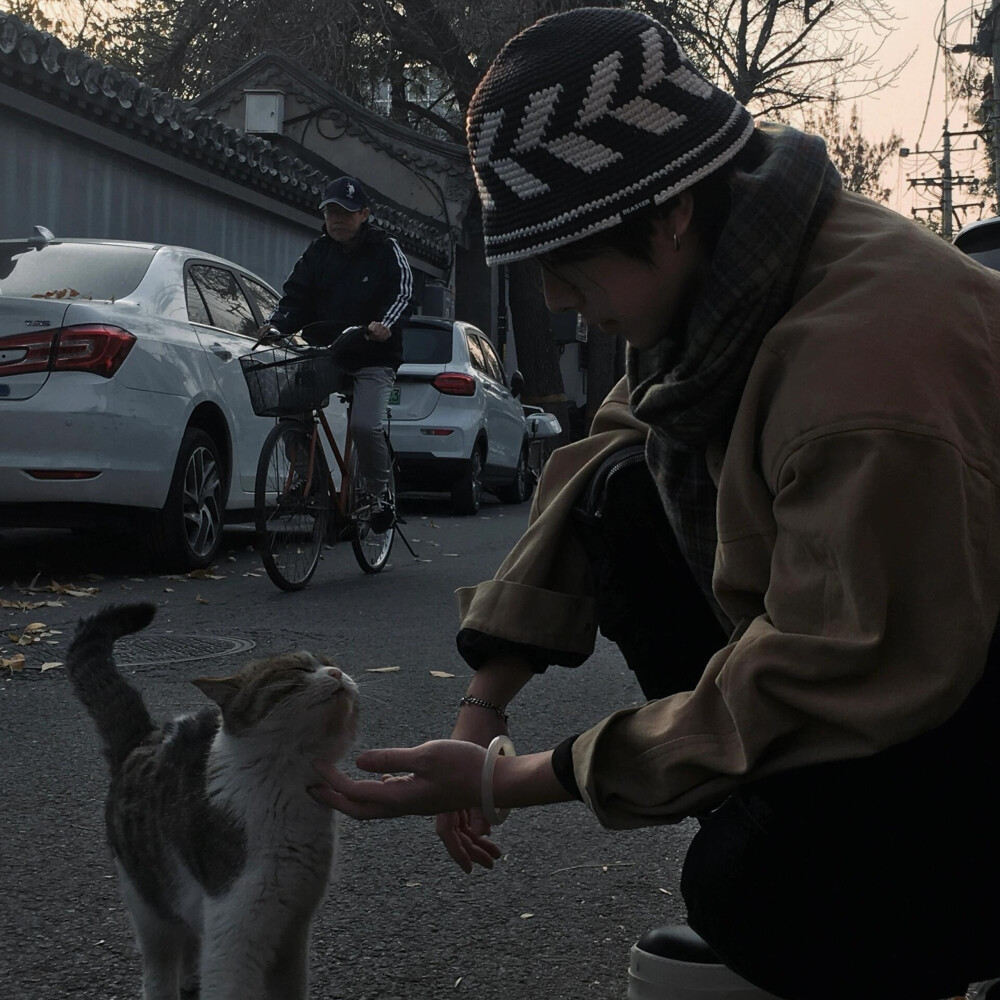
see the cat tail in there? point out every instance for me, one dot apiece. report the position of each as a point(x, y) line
point(122, 719)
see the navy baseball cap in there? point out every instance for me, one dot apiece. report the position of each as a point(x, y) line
point(346, 192)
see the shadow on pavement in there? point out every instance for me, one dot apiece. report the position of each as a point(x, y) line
point(61, 553)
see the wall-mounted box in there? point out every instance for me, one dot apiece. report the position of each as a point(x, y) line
point(265, 111)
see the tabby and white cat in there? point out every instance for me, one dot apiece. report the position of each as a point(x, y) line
point(222, 855)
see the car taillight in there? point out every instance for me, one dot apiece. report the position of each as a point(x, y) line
point(454, 384)
point(92, 347)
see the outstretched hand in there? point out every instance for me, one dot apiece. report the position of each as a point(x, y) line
point(442, 776)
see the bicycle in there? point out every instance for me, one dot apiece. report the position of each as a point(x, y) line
point(298, 507)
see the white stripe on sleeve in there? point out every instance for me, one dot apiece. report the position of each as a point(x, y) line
point(398, 307)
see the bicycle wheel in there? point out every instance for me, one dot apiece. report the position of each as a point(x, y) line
point(371, 548)
point(292, 505)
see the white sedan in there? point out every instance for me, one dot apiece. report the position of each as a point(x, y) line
point(122, 401)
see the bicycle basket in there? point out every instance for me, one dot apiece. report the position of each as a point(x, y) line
point(283, 384)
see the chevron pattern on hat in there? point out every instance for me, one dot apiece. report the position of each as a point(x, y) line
point(586, 117)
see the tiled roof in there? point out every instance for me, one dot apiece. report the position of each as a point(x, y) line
point(38, 63)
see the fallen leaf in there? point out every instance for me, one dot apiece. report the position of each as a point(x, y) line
point(449, 555)
point(205, 574)
point(381, 670)
point(440, 673)
point(200, 600)
point(457, 981)
point(23, 605)
point(70, 589)
point(168, 590)
point(12, 663)
point(666, 892)
point(527, 916)
point(51, 665)
point(35, 627)
point(411, 885)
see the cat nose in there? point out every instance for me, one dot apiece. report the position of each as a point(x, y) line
point(335, 672)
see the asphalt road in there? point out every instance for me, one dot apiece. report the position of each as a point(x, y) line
point(553, 920)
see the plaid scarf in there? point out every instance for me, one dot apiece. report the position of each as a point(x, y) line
point(688, 388)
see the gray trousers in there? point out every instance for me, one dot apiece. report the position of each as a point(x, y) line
point(371, 398)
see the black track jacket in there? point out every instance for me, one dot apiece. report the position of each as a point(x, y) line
point(367, 281)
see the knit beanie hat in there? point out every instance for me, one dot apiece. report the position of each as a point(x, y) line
point(586, 117)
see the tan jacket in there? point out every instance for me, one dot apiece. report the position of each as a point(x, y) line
point(859, 530)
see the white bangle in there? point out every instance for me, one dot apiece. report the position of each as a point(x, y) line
point(498, 745)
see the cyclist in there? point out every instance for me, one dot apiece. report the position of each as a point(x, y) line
point(354, 274)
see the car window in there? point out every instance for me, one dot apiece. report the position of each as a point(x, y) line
point(76, 270)
point(227, 306)
point(427, 345)
point(476, 354)
point(267, 301)
point(493, 361)
point(196, 308)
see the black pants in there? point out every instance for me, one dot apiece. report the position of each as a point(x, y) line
point(878, 877)
point(875, 878)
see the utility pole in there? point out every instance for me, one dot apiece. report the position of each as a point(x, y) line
point(946, 181)
point(987, 43)
point(987, 46)
point(946, 185)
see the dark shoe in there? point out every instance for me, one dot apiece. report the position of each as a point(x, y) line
point(679, 942)
point(383, 515)
point(671, 962)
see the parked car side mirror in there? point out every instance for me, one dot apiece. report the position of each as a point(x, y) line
point(516, 384)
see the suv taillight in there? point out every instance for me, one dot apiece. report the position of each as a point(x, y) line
point(454, 384)
point(91, 347)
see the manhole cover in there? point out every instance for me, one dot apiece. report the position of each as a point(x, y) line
point(148, 649)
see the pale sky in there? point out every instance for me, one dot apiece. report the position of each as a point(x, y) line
point(915, 108)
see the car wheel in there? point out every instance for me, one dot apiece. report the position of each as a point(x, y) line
point(519, 488)
point(467, 493)
point(187, 533)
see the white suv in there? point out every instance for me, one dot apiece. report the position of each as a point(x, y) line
point(456, 423)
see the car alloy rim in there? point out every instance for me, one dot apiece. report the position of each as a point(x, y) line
point(202, 504)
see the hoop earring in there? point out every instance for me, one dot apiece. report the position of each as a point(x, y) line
point(677, 242)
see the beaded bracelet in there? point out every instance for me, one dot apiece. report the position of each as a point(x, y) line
point(482, 703)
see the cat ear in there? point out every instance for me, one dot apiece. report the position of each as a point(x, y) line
point(220, 689)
